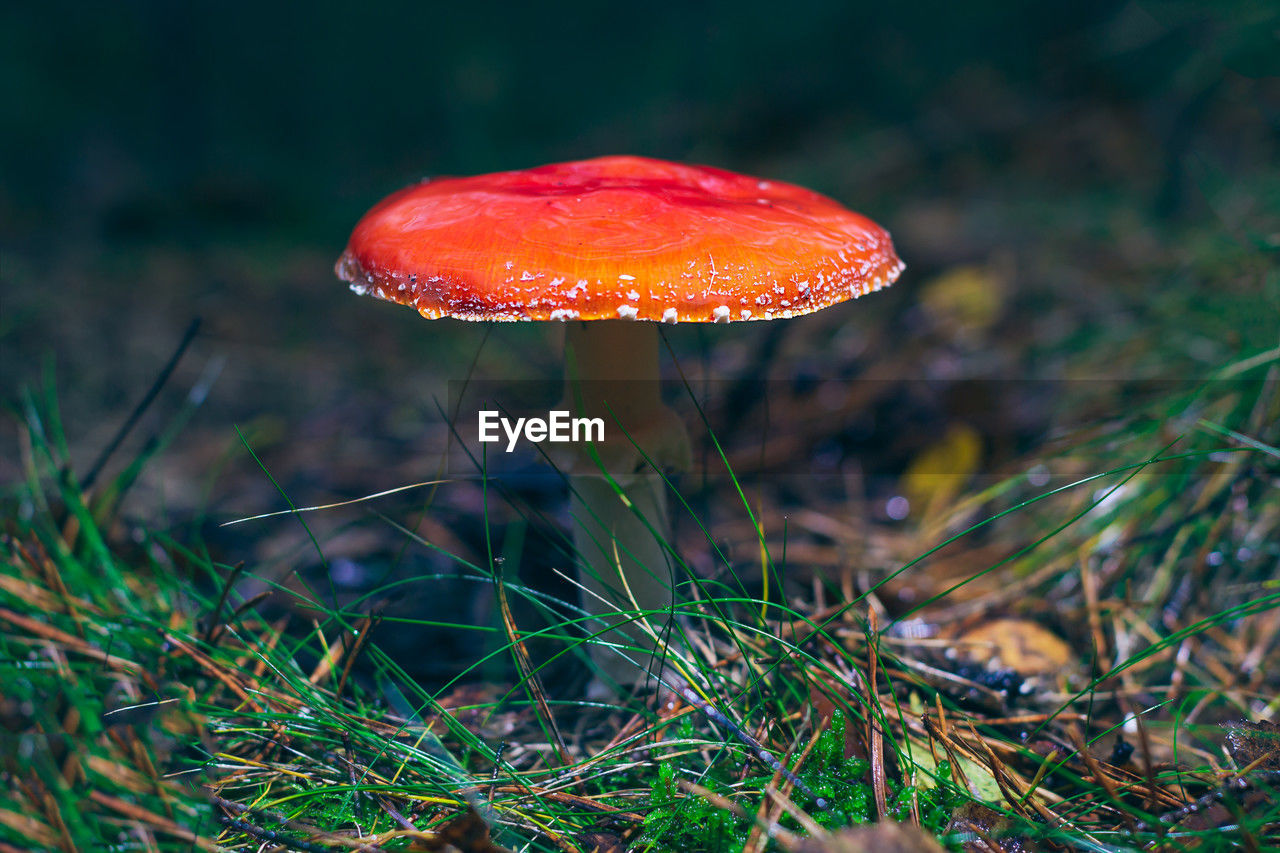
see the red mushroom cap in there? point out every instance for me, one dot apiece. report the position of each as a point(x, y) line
point(615, 237)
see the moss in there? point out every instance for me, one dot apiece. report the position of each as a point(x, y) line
point(682, 821)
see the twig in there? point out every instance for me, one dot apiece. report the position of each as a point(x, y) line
point(528, 674)
point(875, 734)
point(136, 415)
point(263, 834)
point(760, 751)
point(222, 600)
point(363, 629)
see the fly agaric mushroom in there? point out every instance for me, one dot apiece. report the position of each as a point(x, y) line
point(611, 247)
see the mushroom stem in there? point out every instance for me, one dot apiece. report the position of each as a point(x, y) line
point(612, 373)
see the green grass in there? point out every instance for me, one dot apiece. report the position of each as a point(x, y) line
point(147, 705)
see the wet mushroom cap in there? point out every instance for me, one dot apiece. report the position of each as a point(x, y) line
point(615, 238)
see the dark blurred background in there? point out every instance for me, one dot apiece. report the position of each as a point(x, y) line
point(1081, 191)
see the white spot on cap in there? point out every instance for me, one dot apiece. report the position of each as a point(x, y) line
point(628, 312)
point(358, 288)
point(721, 313)
point(670, 315)
point(556, 282)
point(632, 294)
point(510, 264)
point(763, 185)
point(527, 276)
point(745, 314)
point(626, 277)
point(563, 314)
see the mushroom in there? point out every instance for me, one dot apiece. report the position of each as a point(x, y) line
point(612, 247)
